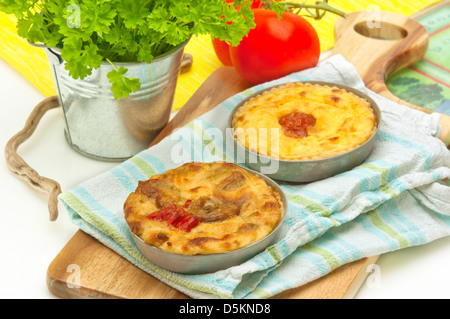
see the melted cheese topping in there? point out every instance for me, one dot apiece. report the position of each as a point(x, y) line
point(235, 208)
point(343, 122)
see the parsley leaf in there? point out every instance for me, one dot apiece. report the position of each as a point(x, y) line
point(133, 13)
point(122, 86)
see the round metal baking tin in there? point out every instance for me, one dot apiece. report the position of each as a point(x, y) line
point(305, 171)
point(201, 264)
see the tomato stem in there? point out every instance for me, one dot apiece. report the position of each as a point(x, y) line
point(315, 11)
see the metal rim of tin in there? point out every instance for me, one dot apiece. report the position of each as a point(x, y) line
point(209, 263)
point(365, 148)
point(57, 52)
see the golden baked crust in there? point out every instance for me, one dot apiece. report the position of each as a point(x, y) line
point(228, 207)
point(338, 122)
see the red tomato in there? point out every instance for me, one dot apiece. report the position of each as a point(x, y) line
point(276, 47)
point(257, 4)
point(221, 48)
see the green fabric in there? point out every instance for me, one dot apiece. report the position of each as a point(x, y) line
point(426, 83)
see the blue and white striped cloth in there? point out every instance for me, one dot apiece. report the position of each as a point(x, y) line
point(396, 199)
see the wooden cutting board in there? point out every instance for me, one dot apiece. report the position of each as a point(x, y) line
point(377, 43)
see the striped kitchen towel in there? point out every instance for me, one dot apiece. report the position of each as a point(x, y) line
point(394, 200)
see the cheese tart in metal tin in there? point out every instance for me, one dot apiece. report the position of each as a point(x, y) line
point(311, 130)
point(204, 216)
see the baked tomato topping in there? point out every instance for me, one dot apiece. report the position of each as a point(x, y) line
point(176, 217)
point(296, 124)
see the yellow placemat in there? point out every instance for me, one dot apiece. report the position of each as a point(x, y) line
point(32, 62)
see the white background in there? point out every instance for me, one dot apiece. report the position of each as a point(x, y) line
point(29, 241)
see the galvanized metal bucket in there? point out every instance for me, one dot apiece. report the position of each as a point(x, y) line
point(101, 127)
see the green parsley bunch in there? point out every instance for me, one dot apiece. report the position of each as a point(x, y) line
point(89, 32)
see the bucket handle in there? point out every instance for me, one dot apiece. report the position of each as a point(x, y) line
point(37, 45)
point(48, 49)
point(19, 167)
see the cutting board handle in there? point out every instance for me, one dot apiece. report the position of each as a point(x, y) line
point(380, 43)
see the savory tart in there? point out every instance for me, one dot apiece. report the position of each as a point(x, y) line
point(203, 208)
point(304, 121)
